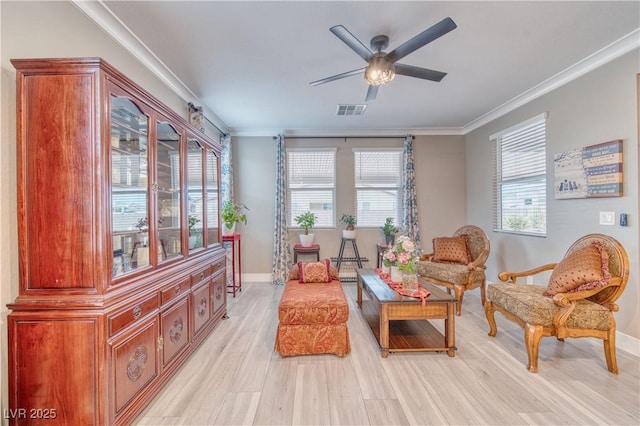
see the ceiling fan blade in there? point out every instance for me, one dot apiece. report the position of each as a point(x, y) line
point(350, 40)
point(425, 37)
point(337, 77)
point(424, 73)
point(372, 92)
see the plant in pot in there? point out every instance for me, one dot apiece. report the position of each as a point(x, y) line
point(193, 236)
point(389, 231)
point(231, 214)
point(350, 231)
point(306, 221)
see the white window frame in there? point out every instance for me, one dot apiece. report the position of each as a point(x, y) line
point(526, 174)
point(291, 215)
point(398, 214)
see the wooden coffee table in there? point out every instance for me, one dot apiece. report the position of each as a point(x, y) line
point(399, 323)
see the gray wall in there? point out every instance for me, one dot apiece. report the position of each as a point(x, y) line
point(440, 177)
point(599, 107)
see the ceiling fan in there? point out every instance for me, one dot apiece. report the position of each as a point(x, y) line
point(382, 67)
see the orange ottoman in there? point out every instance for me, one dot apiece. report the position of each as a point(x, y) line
point(313, 319)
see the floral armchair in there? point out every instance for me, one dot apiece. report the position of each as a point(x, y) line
point(578, 301)
point(458, 262)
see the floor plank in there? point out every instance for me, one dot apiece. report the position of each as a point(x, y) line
point(236, 378)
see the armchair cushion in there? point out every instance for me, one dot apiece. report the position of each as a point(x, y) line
point(524, 302)
point(314, 272)
point(583, 269)
point(451, 250)
point(448, 272)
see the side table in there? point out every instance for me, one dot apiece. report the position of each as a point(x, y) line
point(233, 241)
point(313, 249)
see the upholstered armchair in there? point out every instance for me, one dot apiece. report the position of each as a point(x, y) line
point(578, 301)
point(458, 262)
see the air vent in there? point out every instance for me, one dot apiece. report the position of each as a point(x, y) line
point(351, 109)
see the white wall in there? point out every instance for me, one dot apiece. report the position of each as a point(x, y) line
point(440, 179)
point(599, 107)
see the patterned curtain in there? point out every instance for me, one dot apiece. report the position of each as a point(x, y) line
point(226, 170)
point(281, 247)
point(409, 195)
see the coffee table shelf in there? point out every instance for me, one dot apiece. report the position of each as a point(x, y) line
point(400, 323)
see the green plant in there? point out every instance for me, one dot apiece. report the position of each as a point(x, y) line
point(306, 221)
point(349, 220)
point(193, 220)
point(388, 228)
point(233, 213)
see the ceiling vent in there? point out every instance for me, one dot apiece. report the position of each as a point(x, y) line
point(350, 110)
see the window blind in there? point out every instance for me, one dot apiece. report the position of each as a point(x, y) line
point(311, 176)
point(378, 183)
point(520, 181)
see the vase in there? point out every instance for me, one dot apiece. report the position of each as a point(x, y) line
point(228, 230)
point(396, 275)
point(410, 282)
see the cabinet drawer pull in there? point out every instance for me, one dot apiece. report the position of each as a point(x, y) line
point(201, 275)
point(137, 311)
point(178, 289)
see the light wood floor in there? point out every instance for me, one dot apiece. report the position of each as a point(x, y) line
point(236, 378)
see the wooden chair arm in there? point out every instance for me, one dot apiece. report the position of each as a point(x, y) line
point(513, 276)
point(426, 256)
point(479, 261)
point(564, 299)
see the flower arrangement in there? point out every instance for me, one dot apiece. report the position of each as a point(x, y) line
point(402, 255)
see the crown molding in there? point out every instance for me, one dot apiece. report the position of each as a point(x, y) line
point(607, 54)
point(99, 13)
point(114, 27)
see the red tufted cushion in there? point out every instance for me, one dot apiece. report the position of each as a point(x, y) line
point(451, 250)
point(584, 269)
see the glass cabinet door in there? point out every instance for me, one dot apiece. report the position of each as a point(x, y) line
point(195, 185)
point(167, 189)
point(212, 198)
point(129, 185)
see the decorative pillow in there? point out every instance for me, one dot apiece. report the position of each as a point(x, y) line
point(584, 269)
point(314, 272)
point(294, 275)
point(451, 250)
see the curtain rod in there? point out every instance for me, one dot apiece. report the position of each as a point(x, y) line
point(193, 108)
point(222, 133)
point(345, 137)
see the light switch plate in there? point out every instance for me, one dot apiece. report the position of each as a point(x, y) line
point(607, 218)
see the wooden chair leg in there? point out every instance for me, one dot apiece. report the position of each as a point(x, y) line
point(459, 291)
point(610, 351)
point(532, 337)
point(488, 312)
point(483, 292)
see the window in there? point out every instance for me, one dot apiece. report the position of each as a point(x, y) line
point(378, 181)
point(311, 185)
point(521, 195)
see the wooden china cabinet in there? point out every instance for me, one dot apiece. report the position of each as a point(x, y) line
point(122, 271)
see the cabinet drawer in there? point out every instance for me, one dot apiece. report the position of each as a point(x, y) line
point(174, 290)
point(201, 311)
point(139, 310)
point(219, 294)
point(218, 264)
point(174, 324)
point(135, 362)
point(201, 275)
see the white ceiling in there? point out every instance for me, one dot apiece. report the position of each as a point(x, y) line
point(251, 62)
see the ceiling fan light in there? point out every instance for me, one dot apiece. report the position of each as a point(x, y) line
point(379, 72)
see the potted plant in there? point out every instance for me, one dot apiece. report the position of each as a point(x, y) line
point(231, 214)
point(306, 221)
point(193, 237)
point(389, 231)
point(350, 221)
